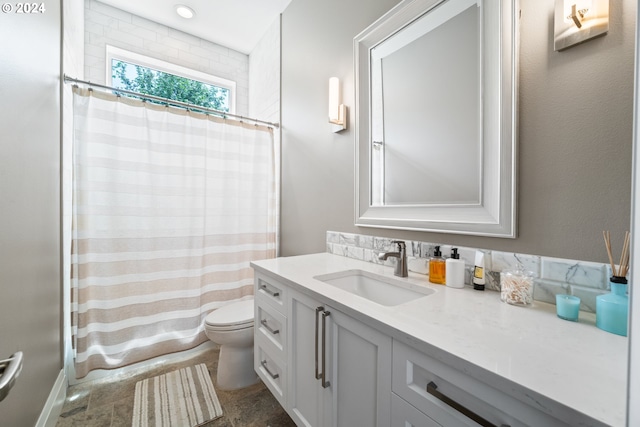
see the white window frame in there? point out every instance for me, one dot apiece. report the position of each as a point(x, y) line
point(118, 54)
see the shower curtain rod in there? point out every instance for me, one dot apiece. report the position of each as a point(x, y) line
point(172, 102)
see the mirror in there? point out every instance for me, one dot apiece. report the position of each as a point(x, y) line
point(435, 118)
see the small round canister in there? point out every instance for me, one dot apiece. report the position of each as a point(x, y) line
point(516, 287)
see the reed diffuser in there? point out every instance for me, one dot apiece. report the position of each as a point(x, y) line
point(612, 309)
point(623, 267)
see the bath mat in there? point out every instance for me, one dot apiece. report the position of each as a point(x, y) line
point(182, 398)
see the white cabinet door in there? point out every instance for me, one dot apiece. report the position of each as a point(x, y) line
point(359, 371)
point(355, 360)
point(306, 394)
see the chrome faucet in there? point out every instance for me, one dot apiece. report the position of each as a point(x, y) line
point(401, 254)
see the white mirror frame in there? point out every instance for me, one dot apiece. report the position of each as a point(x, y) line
point(496, 214)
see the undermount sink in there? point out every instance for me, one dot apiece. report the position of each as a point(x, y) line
point(379, 289)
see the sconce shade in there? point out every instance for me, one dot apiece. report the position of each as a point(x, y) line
point(334, 98)
point(337, 111)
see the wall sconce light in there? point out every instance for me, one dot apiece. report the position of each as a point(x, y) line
point(337, 111)
point(577, 21)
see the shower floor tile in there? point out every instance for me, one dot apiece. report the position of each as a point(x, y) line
point(109, 403)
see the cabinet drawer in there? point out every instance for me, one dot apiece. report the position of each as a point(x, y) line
point(272, 327)
point(270, 291)
point(272, 370)
point(436, 388)
point(405, 415)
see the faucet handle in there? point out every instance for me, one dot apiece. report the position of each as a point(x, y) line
point(401, 244)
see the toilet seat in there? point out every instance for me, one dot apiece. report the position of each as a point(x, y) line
point(231, 317)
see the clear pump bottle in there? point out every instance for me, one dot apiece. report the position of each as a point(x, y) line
point(437, 267)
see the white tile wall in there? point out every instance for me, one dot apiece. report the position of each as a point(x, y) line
point(107, 25)
point(264, 76)
point(264, 91)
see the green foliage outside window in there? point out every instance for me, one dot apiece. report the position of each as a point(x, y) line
point(147, 81)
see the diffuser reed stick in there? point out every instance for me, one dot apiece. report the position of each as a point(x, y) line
point(624, 258)
point(623, 265)
point(607, 243)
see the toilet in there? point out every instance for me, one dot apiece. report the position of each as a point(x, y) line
point(231, 326)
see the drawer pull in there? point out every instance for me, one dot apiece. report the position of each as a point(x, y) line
point(269, 291)
point(325, 383)
point(264, 365)
point(432, 389)
point(269, 328)
point(318, 310)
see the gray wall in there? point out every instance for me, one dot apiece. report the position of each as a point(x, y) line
point(30, 314)
point(575, 133)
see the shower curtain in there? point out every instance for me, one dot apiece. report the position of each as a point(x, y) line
point(169, 208)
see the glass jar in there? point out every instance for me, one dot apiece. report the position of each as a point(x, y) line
point(516, 287)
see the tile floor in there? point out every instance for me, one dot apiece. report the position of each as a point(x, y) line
point(109, 402)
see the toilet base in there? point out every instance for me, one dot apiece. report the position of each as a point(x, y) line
point(235, 368)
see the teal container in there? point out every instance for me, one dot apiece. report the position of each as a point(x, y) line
point(567, 307)
point(612, 310)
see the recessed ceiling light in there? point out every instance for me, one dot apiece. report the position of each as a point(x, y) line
point(185, 11)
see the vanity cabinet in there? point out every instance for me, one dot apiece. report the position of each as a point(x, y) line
point(329, 368)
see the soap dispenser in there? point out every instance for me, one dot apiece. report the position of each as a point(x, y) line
point(454, 270)
point(437, 267)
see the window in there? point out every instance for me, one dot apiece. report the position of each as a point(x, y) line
point(138, 73)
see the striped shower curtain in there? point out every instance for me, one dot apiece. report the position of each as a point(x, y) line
point(169, 208)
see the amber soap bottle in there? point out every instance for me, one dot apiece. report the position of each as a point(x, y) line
point(437, 272)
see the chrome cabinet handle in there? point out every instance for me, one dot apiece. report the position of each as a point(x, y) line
point(432, 389)
point(325, 314)
point(269, 328)
point(9, 371)
point(264, 365)
point(269, 291)
point(318, 310)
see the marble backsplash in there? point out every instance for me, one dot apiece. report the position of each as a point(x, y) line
point(585, 280)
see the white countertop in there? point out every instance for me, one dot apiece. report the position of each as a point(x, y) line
point(526, 351)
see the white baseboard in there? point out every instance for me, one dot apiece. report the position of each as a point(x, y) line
point(53, 406)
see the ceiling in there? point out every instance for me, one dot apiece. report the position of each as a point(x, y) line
point(236, 24)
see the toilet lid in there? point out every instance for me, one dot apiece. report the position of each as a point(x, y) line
point(236, 313)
